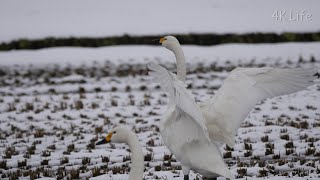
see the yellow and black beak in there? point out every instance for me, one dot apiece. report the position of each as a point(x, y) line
point(105, 140)
point(161, 40)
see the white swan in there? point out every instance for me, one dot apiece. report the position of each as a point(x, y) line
point(191, 132)
point(125, 135)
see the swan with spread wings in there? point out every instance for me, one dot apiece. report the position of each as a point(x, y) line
point(193, 132)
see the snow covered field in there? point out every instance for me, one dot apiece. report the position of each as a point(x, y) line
point(263, 53)
point(56, 102)
point(36, 19)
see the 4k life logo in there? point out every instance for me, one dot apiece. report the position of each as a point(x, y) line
point(284, 15)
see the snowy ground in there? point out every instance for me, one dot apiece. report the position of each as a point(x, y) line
point(120, 55)
point(51, 113)
point(36, 19)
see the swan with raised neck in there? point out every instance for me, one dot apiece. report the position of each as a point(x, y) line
point(171, 43)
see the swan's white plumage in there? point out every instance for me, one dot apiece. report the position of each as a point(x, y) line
point(242, 89)
point(184, 129)
point(186, 125)
point(125, 135)
point(179, 95)
point(187, 141)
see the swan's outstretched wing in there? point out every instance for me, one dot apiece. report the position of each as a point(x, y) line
point(179, 95)
point(242, 89)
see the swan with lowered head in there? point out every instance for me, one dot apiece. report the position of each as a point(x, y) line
point(125, 135)
point(193, 132)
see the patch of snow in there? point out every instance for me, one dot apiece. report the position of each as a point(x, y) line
point(122, 55)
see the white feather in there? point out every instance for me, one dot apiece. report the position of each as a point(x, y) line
point(178, 93)
point(242, 89)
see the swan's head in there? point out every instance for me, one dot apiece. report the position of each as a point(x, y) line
point(169, 42)
point(117, 135)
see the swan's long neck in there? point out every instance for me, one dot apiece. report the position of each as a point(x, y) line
point(137, 159)
point(181, 63)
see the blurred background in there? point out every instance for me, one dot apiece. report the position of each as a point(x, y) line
point(72, 70)
point(40, 24)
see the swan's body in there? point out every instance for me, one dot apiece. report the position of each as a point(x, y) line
point(192, 132)
point(190, 146)
point(124, 135)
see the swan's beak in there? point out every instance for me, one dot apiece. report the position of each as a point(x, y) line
point(161, 40)
point(105, 140)
point(158, 40)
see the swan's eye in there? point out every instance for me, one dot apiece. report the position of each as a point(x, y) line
point(114, 132)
